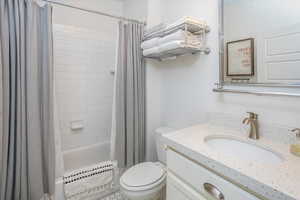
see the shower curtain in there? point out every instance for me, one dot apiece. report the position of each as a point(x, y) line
point(27, 150)
point(128, 129)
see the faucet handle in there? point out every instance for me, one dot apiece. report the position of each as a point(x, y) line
point(252, 115)
point(296, 131)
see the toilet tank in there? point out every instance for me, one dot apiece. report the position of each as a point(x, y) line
point(161, 153)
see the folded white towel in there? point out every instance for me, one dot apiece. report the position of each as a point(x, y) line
point(175, 45)
point(181, 35)
point(155, 28)
point(171, 45)
point(193, 23)
point(151, 51)
point(150, 43)
point(168, 46)
point(178, 35)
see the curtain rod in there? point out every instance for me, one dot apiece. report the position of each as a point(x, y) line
point(96, 12)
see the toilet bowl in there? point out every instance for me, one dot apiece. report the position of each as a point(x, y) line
point(146, 181)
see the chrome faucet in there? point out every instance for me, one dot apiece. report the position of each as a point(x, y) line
point(296, 131)
point(252, 120)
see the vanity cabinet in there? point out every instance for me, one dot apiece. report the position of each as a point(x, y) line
point(178, 190)
point(188, 180)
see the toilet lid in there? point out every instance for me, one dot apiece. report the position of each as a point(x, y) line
point(142, 174)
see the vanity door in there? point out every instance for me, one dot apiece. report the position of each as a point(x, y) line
point(178, 190)
point(203, 182)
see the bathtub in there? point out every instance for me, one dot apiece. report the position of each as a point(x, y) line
point(85, 156)
point(81, 157)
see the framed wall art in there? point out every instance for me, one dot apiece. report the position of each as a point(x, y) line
point(240, 57)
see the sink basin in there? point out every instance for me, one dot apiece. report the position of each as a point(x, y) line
point(245, 150)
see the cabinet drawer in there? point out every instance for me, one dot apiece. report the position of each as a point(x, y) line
point(203, 180)
point(178, 190)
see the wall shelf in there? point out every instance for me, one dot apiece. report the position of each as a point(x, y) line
point(178, 52)
point(191, 27)
point(259, 91)
point(195, 28)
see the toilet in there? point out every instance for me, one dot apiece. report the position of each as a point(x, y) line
point(146, 181)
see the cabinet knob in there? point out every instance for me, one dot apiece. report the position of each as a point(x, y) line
point(213, 191)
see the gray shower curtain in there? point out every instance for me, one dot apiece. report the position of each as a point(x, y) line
point(129, 123)
point(27, 149)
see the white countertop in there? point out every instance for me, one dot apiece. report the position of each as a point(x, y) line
point(275, 182)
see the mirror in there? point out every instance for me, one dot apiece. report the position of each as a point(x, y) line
point(260, 42)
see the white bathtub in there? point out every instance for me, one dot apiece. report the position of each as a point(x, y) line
point(82, 157)
point(59, 189)
point(85, 156)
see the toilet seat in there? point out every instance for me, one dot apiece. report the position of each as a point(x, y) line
point(144, 176)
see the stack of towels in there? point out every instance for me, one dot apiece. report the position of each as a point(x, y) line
point(178, 39)
point(164, 37)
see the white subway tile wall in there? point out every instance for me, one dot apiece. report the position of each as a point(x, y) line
point(83, 59)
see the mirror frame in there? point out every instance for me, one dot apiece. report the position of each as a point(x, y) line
point(283, 89)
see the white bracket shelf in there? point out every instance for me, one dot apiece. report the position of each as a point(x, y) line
point(190, 26)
